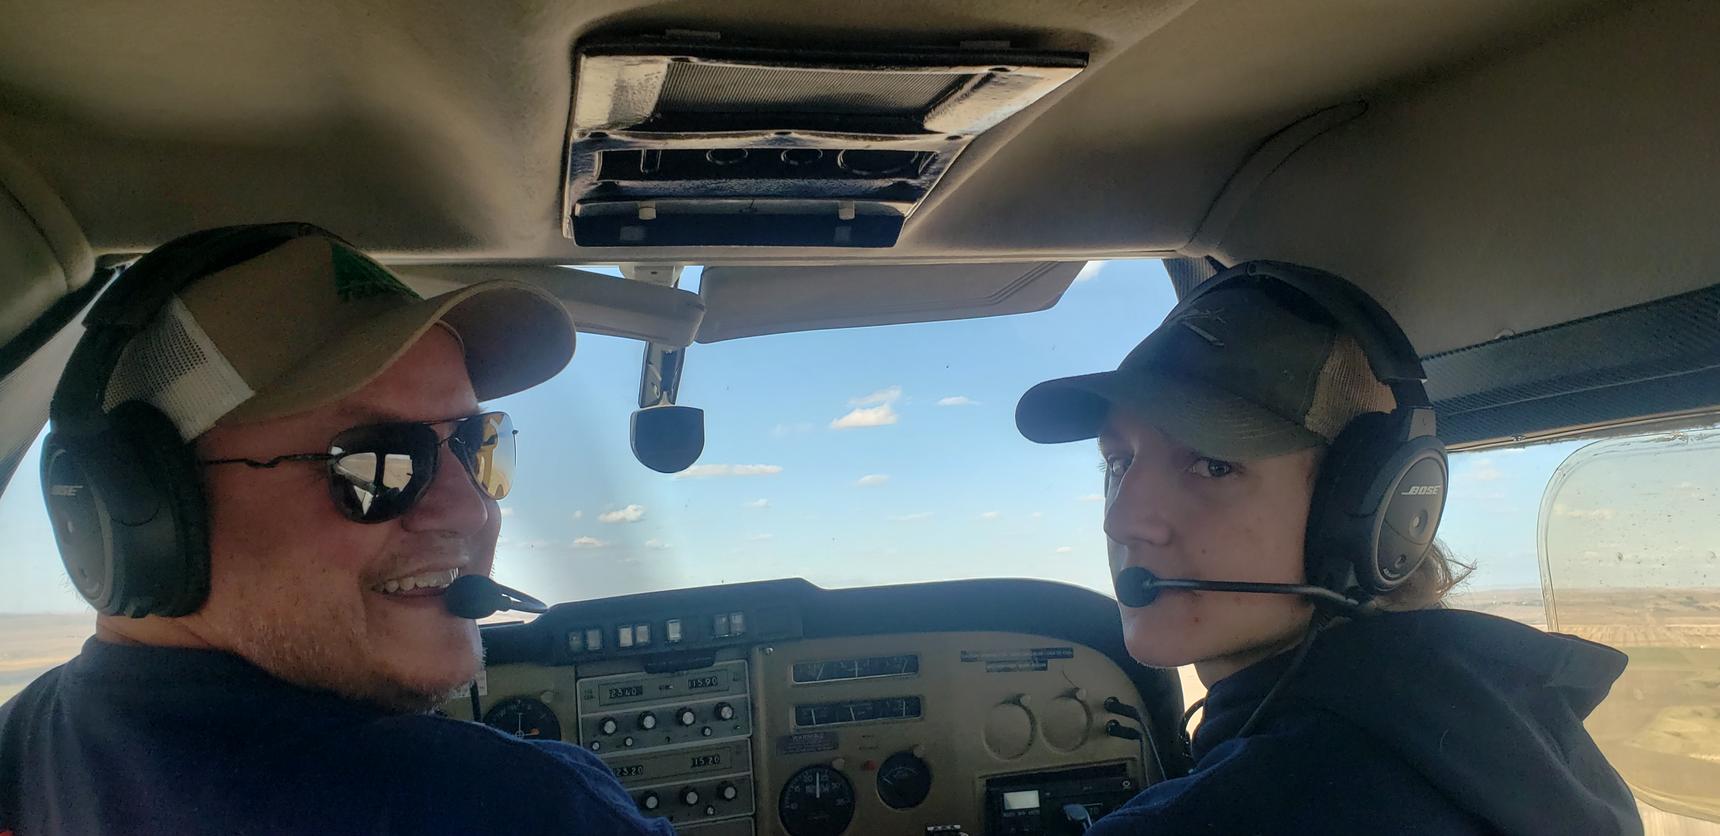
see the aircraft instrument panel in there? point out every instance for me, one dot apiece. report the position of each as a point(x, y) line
point(780, 709)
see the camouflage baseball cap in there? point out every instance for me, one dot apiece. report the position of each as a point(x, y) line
point(1242, 373)
point(311, 321)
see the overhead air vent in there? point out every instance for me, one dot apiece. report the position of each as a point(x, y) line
point(702, 142)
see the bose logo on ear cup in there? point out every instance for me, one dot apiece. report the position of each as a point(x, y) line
point(65, 490)
point(1421, 490)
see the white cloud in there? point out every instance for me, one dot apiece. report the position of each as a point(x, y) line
point(655, 544)
point(630, 514)
point(1088, 272)
point(507, 512)
point(1092, 497)
point(759, 538)
point(759, 503)
point(866, 416)
point(872, 480)
point(1065, 549)
point(590, 543)
point(882, 396)
point(579, 515)
point(957, 400)
point(990, 515)
point(1036, 515)
point(711, 471)
point(918, 515)
point(783, 430)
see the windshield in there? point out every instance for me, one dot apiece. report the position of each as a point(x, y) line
point(849, 457)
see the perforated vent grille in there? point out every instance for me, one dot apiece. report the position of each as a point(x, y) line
point(1662, 356)
point(717, 88)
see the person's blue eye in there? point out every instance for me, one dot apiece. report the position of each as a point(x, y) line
point(1209, 468)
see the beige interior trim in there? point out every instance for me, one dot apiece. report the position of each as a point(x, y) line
point(750, 301)
point(1259, 166)
point(1573, 176)
point(599, 304)
point(43, 252)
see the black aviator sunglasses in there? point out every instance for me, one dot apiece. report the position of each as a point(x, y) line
point(378, 472)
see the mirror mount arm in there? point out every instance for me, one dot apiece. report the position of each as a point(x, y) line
point(666, 438)
point(660, 375)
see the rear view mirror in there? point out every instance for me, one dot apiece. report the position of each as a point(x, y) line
point(668, 438)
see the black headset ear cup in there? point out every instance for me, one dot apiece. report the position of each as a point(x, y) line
point(80, 526)
point(1376, 505)
point(127, 509)
point(1411, 499)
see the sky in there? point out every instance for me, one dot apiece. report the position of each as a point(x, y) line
point(847, 457)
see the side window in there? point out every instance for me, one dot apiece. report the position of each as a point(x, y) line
point(43, 622)
point(1629, 551)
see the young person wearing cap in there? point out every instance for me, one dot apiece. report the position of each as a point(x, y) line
point(349, 476)
point(1398, 717)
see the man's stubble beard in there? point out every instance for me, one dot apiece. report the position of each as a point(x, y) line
point(321, 642)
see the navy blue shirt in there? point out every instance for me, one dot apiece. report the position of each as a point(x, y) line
point(153, 740)
point(1429, 722)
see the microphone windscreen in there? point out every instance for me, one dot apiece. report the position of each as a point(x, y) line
point(1133, 587)
point(473, 596)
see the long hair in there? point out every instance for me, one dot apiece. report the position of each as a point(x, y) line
point(1428, 585)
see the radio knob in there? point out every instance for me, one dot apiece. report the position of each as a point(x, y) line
point(727, 792)
point(725, 711)
point(686, 717)
point(649, 801)
point(690, 797)
point(609, 726)
point(647, 721)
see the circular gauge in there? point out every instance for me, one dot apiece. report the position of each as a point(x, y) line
point(904, 781)
point(817, 801)
point(525, 718)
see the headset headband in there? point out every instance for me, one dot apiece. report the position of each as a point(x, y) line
point(1390, 354)
point(128, 305)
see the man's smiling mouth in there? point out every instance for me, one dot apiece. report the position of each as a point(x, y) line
point(423, 583)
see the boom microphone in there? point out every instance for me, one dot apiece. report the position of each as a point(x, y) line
point(1137, 587)
point(475, 596)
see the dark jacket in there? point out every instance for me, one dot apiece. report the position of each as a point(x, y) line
point(1438, 722)
point(152, 740)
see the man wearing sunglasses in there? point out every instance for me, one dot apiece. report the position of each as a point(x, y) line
point(349, 476)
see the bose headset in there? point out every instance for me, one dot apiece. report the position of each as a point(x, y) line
point(123, 491)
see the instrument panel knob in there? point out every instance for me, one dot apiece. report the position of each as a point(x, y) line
point(650, 801)
point(686, 717)
point(609, 726)
point(690, 797)
point(727, 792)
point(647, 721)
point(725, 711)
